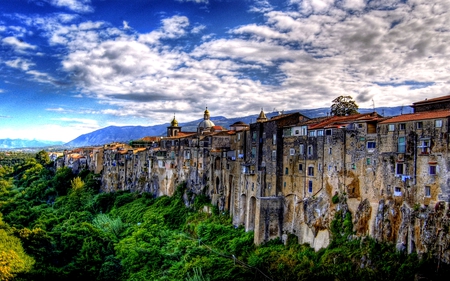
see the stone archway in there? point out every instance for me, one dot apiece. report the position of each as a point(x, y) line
point(251, 214)
point(217, 185)
point(242, 209)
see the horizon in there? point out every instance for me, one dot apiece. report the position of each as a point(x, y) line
point(73, 67)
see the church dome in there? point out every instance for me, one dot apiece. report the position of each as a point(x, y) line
point(174, 122)
point(205, 124)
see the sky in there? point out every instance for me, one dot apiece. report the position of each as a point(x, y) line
point(70, 67)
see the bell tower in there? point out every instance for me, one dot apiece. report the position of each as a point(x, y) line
point(173, 129)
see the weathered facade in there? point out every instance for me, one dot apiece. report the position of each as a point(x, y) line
point(289, 174)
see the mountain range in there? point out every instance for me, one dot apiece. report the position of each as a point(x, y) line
point(128, 133)
point(22, 143)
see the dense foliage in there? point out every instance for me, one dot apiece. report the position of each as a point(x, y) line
point(343, 106)
point(57, 226)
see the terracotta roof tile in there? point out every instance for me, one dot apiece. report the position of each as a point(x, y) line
point(432, 100)
point(338, 121)
point(150, 139)
point(417, 116)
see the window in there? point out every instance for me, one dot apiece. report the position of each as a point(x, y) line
point(319, 133)
point(304, 130)
point(401, 145)
point(330, 150)
point(286, 171)
point(312, 133)
point(254, 136)
point(253, 152)
point(438, 123)
point(274, 139)
point(360, 125)
point(424, 146)
point(292, 151)
point(319, 167)
point(300, 167)
point(301, 150)
point(328, 132)
point(397, 191)
point(399, 169)
point(310, 150)
point(391, 127)
point(368, 161)
point(330, 167)
point(419, 125)
point(427, 191)
point(432, 169)
point(402, 126)
point(274, 155)
point(371, 145)
point(297, 132)
point(310, 171)
point(239, 136)
point(310, 186)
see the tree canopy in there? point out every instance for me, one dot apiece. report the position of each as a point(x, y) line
point(343, 106)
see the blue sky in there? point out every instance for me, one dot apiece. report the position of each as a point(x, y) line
point(69, 67)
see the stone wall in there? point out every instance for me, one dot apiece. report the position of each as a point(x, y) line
point(398, 197)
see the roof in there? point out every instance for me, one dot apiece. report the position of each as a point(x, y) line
point(339, 121)
point(150, 139)
point(205, 124)
point(238, 123)
point(438, 99)
point(181, 135)
point(281, 116)
point(417, 116)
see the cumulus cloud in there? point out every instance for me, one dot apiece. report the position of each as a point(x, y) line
point(80, 6)
point(17, 44)
point(301, 57)
point(19, 64)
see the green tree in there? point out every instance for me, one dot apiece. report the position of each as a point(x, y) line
point(62, 180)
point(344, 105)
point(13, 259)
point(42, 157)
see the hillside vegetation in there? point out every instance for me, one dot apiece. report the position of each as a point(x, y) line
point(56, 226)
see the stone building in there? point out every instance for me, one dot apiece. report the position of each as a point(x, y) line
point(290, 174)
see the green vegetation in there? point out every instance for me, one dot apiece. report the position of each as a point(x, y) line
point(344, 105)
point(57, 226)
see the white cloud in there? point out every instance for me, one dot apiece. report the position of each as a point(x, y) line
point(314, 6)
point(195, 1)
point(80, 6)
point(17, 45)
point(19, 63)
point(63, 129)
point(295, 59)
point(172, 28)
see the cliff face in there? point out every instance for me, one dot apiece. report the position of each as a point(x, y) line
point(290, 175)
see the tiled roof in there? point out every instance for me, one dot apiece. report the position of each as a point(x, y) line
point(239, 123)
point(181, 135)
point(218, 128)
point(417, 116)
point(148, 139)
point(432, 100)
point(338, 121)
point(282, 116)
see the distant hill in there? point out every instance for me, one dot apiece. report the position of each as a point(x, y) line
point(21, 143)
point(128, 133)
